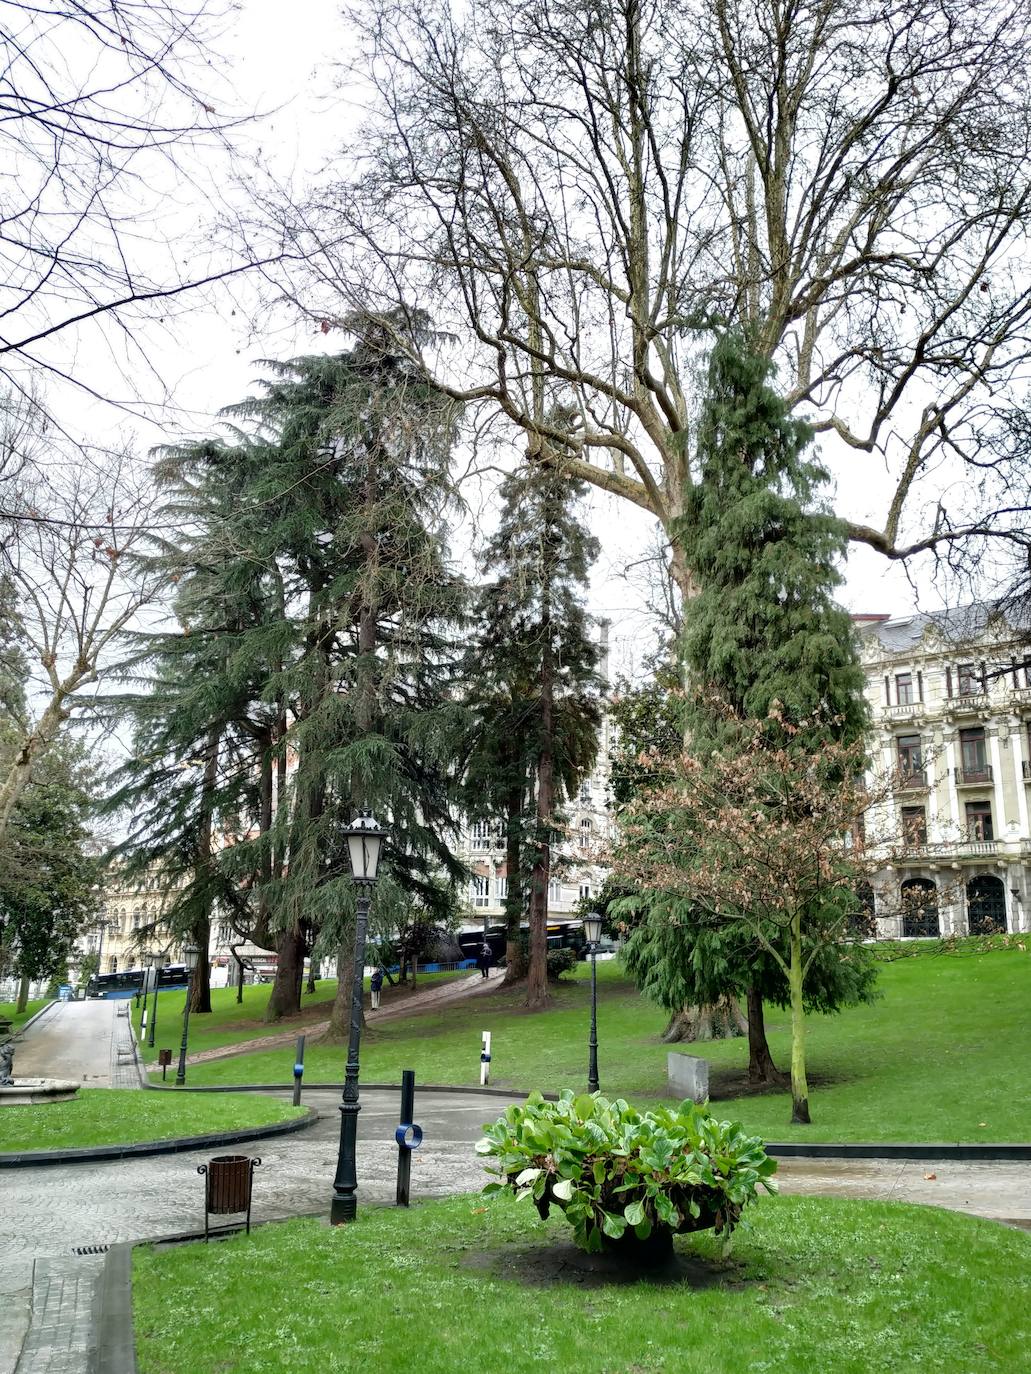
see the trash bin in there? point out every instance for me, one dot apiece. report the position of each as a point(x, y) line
point(227, 1188)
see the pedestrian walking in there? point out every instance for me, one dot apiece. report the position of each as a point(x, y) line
point(375, 987)
point(484, 961)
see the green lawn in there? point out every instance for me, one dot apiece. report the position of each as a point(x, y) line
point(113, 1116)
point(18, 1018)
point(230, 1022)
point(810, 1287)
point(935, 1057)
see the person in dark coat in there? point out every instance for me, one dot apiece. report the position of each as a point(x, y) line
point(486, 956)
point(375, 987)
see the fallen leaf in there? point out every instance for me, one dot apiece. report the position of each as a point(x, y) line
point(982, 1123)
point(930, 1177)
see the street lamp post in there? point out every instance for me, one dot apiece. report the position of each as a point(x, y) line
point(102, 925)
point(157, 963)
point(144, 986)
point(364, 843)
point(190, 955)
point(592, 929)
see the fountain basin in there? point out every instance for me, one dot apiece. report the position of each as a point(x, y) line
point(35, 1092)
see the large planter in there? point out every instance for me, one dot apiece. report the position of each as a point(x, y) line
point(627, 1181)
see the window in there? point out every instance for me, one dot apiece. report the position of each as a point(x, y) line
point(969, 680)
point(973, 754)
point(979, 821)
point(910, 756)
point(479, 890)
point(481, 835)
point(904, 689)
point(501, 888)
point(554, 890)
point(585, 833)
point(585, 892)
point(585, 790)
point(914, 825)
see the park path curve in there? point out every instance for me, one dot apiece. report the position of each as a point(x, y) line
point(446, 994)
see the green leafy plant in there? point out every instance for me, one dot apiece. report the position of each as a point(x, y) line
point(560, 961)
point(618, 1173)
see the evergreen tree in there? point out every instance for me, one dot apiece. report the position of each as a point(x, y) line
point(536, 696)
point(761, 635)
point(314, 672)
point(763, 627)
point(48, 881)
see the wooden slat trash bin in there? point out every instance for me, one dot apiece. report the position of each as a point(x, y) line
point(227, 1188)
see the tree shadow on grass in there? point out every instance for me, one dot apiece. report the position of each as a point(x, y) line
point(563, 1264)
point(726, 1082)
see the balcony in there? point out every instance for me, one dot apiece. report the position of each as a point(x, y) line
point(913, 780)
point(1025, 768)
point(950, 849)
point(969, 704)
point(905, 710)
point(973, 777)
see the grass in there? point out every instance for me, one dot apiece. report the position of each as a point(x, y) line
point(113, 1116)
point(811, 1287)
point(18, 1018)
point(934, 1059)
point(230, 1023)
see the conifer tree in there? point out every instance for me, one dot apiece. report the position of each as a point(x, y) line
point(537, 690)
point(762, 634)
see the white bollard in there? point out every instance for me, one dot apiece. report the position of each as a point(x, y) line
point(485, 1059)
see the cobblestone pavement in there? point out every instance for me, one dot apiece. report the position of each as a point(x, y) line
point(73, 1040)
point(62, 1333)
point(447, 993)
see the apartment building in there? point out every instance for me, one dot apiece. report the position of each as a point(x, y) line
point(950, 703)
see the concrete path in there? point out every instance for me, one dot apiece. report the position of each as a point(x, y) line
point(442, 995)
point(75, 1040)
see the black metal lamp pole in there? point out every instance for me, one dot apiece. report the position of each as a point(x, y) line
point(592, 926)
point(190, 954)
point(364, 839)
point(157, 963)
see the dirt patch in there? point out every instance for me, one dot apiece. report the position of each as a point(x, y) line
point(725, 1083)
point(563, 1264)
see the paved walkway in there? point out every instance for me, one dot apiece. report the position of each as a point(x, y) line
point(442, 995)
point(76, 1040)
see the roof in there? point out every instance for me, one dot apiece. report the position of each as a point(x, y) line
point(959, 625)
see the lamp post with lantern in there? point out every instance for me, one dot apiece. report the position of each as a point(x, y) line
point(592, 929)
point(364, 845)
point(191, 954)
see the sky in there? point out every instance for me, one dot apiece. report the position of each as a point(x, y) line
point(209, 356)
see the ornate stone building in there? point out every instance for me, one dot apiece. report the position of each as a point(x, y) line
point(950, 699)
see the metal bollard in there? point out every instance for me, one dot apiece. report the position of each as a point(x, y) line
point(408, 1137)
point(298, 1070)
point(485, 1059)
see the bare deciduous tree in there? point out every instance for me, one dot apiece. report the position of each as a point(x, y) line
point(586, 191)
point(107, 111)
point(70, 558)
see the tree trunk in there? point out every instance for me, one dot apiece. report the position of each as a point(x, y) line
point(313, 974)
point(799, 1085)
point(23, 993)
point(340, 1016)
point(720, 1020)
point(200, 984)
point(515, 963)
point(537, 994)
point(284, 1000)
point(761, 1068)
point(34, 744)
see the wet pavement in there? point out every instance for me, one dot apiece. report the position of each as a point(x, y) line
point(70, 1040)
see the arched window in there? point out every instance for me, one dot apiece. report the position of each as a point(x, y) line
point(920, 909)
point(986, 906)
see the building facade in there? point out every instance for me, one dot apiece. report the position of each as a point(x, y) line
point(950, 704)
point(578, 872)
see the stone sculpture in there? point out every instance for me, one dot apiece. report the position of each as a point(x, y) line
point(6, 1063)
